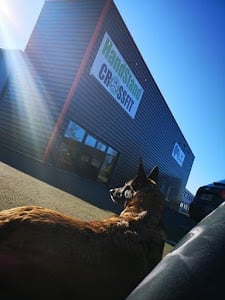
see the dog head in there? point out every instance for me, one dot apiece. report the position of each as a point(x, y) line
point(141, 183)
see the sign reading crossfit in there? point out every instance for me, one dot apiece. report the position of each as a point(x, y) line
point(114, 74)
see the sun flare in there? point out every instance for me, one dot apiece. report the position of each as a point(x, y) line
point(10, 28)
point(4, 9)
point(24, 84)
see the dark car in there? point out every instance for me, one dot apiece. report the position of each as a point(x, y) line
point(207, 198)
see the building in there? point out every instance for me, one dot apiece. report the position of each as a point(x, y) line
point(81, 98)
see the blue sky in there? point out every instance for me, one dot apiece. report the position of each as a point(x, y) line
point(183, 44)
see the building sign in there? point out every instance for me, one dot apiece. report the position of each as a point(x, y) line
point(114, 74)
point(178, 154)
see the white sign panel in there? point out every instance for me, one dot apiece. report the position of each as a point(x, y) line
point(178, 154)
point(114, 74)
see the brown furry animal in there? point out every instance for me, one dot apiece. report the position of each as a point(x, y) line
point(47, 255)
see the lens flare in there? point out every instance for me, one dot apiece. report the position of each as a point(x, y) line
point(28, 100)
point(25, 99)
point(10, 29)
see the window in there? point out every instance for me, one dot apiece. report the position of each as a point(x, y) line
point(100, 146)
point(75, 132)
point(83, 153)
point(107, 166)
point(111, 151)
point(90, 141)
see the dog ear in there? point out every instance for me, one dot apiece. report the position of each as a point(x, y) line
point(154, 174)
point(141, 179)
point(141, 171)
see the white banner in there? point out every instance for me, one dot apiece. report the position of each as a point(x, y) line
point(114, 74)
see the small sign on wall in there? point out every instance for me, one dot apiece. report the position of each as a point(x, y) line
point(178, 154)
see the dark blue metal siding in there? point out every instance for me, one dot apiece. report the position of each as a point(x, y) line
point(59, 40)
point(24, 118)
point(58, 43)
point(150, 135)
point(41, 78)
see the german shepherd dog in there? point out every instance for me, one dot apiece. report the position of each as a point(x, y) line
point(47, 255)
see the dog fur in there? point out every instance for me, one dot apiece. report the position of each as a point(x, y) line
point(47, 255)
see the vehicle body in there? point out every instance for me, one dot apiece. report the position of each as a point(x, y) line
point(207, 198)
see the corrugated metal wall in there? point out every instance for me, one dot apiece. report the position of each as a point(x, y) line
point(58, 42)
point(55, 50)
point(151, 134)
point(18, 105)
point(41, 77)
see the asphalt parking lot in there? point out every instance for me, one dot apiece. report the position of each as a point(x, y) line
point(18, 189)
